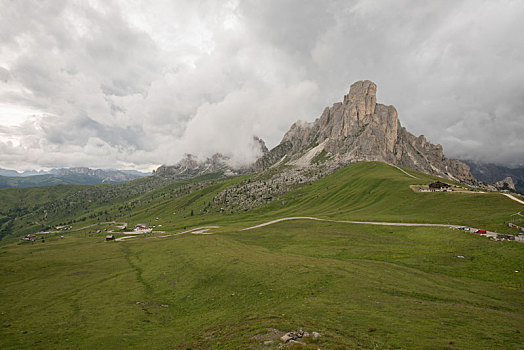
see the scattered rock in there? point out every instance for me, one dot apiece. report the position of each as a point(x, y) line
point(268, 342)
point(286, 337)
point(143, 303)
point(460, 256)
point(296, 336)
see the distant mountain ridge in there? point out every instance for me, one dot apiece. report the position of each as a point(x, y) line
point(492, 173)
point(14, 173)
point(360, 129)
point(191, 166)
point(71, 176)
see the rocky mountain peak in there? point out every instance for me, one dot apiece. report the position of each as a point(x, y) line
point(191, 166)
point(189, 161)
point(260, 145)
point(362, 97)
point(360, 129)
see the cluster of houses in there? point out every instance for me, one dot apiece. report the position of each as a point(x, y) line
point(139, 228)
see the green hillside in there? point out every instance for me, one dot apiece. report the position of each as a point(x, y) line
point(363, 191)
point(359, 286)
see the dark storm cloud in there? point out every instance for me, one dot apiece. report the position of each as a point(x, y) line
point(138, 84)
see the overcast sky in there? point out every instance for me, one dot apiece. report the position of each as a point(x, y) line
point(136, 84)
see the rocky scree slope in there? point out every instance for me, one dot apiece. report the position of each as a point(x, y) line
point(360, 129)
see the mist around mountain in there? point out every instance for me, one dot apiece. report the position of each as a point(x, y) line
point(66, 176)
point(14, 173)
point(356, 129)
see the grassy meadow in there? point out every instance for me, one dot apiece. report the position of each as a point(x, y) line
point(360, 286)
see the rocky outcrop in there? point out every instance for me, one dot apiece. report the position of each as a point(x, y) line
point(260, 145)
point(505, 184)
point(190, 166)
point(360, 129)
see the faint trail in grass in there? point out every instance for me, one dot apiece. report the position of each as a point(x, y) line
point(405, 172)
point(139, 271)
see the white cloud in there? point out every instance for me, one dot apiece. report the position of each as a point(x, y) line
point(137, 84)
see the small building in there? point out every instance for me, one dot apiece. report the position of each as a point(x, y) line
point(141, 227)
point(110, 238)
point(438, 186)
point(29, 237)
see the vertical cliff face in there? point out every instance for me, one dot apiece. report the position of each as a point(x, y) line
point(359, 129)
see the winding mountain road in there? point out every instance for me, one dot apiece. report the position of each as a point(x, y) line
point(513, 197)
point(488, 233)
point(349, 222)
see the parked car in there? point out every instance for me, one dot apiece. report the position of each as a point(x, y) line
point(482, 232)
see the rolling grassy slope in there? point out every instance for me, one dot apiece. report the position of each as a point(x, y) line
point(363, 191)
point(360, 286)
point(375, 191)
point(26, 210)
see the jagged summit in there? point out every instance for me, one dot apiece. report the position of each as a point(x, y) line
point(360, 129)
point(191, 166)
